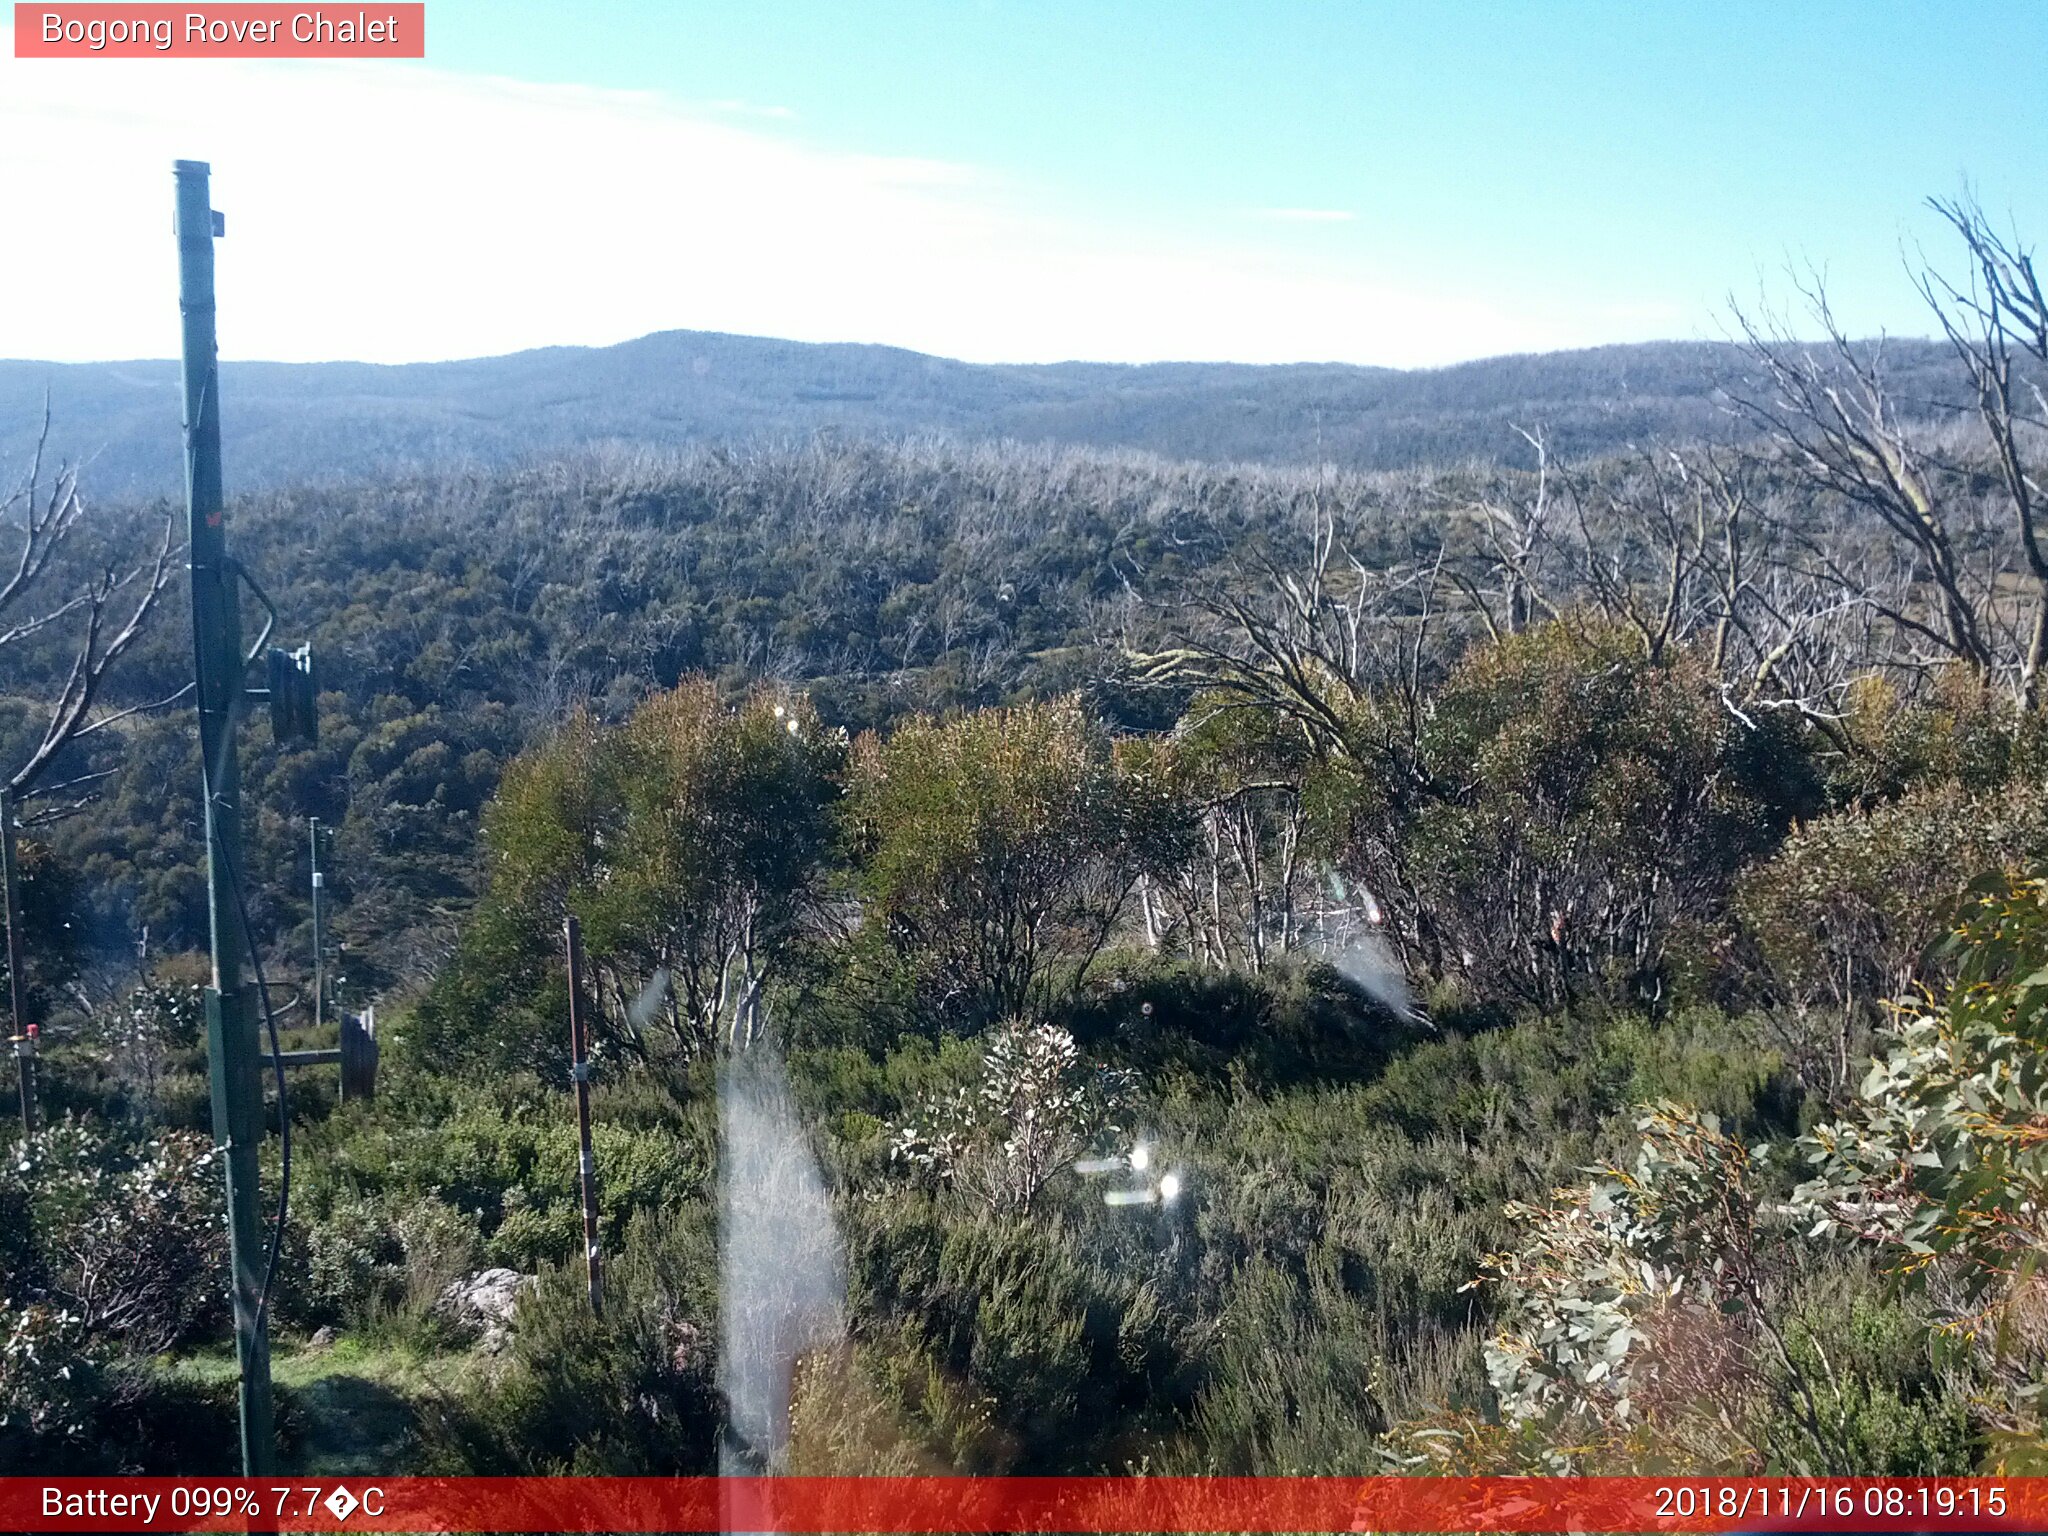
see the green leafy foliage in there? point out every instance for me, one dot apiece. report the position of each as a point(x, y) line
point(1667, 1241)
point(50, 1366)
point(1586, 805)
point(1848, 910)
point(996, 855)
point(121, 1232)
point(1943, 1163)
point(689, 842)
point(507, 1165)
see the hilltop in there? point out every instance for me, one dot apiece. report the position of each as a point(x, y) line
point(322, 422)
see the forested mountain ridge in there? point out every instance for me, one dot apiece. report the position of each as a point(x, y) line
point(291, 423)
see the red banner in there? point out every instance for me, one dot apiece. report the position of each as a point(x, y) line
point(913, 1506)
point(264, 31)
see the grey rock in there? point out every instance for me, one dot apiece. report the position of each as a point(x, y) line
point(485, 1302)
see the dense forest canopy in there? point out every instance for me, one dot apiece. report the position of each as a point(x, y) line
point(1545, 953)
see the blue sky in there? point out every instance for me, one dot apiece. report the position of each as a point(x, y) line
point(1367, 182)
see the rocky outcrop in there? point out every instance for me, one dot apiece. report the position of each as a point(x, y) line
point(485, 1302)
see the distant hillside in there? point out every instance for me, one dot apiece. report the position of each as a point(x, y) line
point(293, 422)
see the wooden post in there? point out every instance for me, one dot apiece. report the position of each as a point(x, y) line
point(579, 1073)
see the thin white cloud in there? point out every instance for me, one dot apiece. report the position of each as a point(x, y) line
point(397, 212)
point(1306, 215)
point(751, 109)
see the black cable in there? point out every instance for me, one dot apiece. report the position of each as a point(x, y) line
point(284, 1117)
point(212, 773)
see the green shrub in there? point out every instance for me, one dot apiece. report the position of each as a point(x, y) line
point(1296, 1021)
point(995, 854)
point(690, 841)
point(1937, 1167)
point(1553, 1081)
point(371, 1264)
point(630, 1393)
point(506, 1160)
point(1030, 1111)
point(1957, 732)
point(1846, 912)
point(1888, 1409)
point(52, 1372)
point(341, 1266)
point(123, 1231)
point(70, 1406)
point(1296, 1376)
point(1584, 804)
point(1070, 1353)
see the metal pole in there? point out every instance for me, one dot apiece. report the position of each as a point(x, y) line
point(17, 978)
point(25, 1066)
point(319, 935)
point(579, 1073)
point(231, 1041)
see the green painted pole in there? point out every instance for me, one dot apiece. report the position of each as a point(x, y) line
point(233, 1058)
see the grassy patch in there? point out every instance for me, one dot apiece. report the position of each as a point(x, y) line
point(352, 1408)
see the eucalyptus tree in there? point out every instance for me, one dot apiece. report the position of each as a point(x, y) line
point(996, 853)
point(690, 841)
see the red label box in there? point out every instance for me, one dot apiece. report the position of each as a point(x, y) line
point(1080, 1506)
point(375, 30)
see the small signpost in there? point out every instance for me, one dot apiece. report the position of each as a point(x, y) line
point(579, 1074)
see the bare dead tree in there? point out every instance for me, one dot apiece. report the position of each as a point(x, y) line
point(1830, 410)
point(1637, 548)
point(107, 608)
point(1976, 592)
point(1778, 637)
point(1345, 653)
point(1999, 315)
point(1311, 645)
point(1513, 534)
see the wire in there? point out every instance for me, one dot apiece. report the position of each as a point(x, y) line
point(284, 1117)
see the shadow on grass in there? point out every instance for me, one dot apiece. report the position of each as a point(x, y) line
point(338, 1423)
